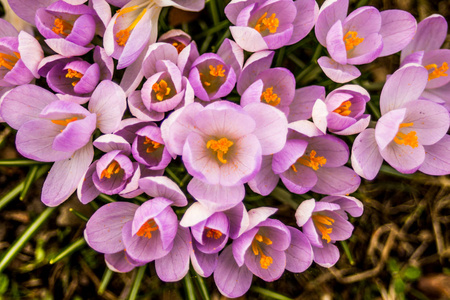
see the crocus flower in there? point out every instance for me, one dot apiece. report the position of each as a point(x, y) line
point(67, 29)
point(221, 146)
point(270, 24)
point(405, 127)
point(325, 222)
point(60, 131)
point(342, 112)
point(360, 37)
point(262, 250)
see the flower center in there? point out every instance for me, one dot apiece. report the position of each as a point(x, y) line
point(270, 97)
point(64, 122)
point(113, 168)
point(8, 61)
point(123, 35)
point(352, 40)
point(270, 23)
point(437, 72)
point(147, 229)
point(213, 233)
point(179, 46)
point(321, 223)
point(344, 109)
point(153, 146)
point(311, 161)
point(265, 260)
point(74, 74)
point(409, 139)
point(214, 72)
point(221, 147)
point(62, 27)
point(161, 89)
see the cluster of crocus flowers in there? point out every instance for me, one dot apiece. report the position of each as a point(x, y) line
point(179, 118)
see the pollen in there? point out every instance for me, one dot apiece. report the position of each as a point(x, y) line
point(311, 161)
point(74, 74)
point(152, 145)
point(409, 139)
point(321, 223)
point(147, 229)
point(123, 35)
point(221, 147)
point(9, 61)
point(62, 27)
point(270, 97)
point(352, 40)
point(270, 23)
point(113, 168)
point(219, 72)
point(179, 46)
point(437, 72)
point(213, 233)
point(265, 260)
point(344, 109)
point(161, 89)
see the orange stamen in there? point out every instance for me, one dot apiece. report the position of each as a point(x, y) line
point(311, 161)
point(147, 229)
point(213, 233)
point(344, 109)
point(270, 23)
point(351, 40)
point(409, 139)
point(73, 74)
point(321, 222)
point(64, 122)
point(221, 147)
point(179, 46)
point(270, 97)
point(153, 146)
point(161, 89)
point(61, 27)
point(265, 260)
point(123, 35)
point(219, 72)
point(9, 61)
point(113, 168)
point(437, 72)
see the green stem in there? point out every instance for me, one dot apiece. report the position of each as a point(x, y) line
point(280, 56)
point(284, 196)
point(106, 198)
point(214, 12)
point(374, 110)
point(347, 252)
point(202, 287)
point(269, 293)
point(105, 281)
point(69, 250)
point(79, 215)
point(25, 237)
point(218, 27)
point(16, 191)
point(189, 287)
point(137, 282)
point(173, 176)
point(391, 171)
point(31, 176)
point(317, 53)
point(19, 162)
point(296, 60)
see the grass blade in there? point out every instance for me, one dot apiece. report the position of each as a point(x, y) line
point(105, 281)
point(78, 244)
point(31, 176)
point(137, 282)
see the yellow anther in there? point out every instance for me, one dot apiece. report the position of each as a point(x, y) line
point(265, 260)
point(352, 40)
point(123, 35)
point(219, 72)
point(179, 46)
point(64, 122)
point(320, 221)
point(409, 139)
point(344, 109)
point(213, 233)
point(270, 23)
point(161, 89)
point(9, 61)
point(147, 229)
point(221, 147)
point(153, 146)
point(437, 72)
point(263, 239)
point(312, 161)
point(113, 168)
point(62, 27)
point(73, 74)
point(270, 97)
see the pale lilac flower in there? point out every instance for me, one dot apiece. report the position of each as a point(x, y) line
point(405, 127)
point(360, 37)
point(255, 64)
point(325, 222)
point(221, 146)
point(270, 24)
point(342, 112)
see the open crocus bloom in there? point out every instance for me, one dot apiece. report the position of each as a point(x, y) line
point(405, 127)
point(221, 145)
point(360, 37)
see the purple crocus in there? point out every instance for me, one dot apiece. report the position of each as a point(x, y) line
point(221, 146)
point(342, 112)
point(360, 37)
point(325, 222)
point(265, 249)
point(270, 24)
point(405, 127)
